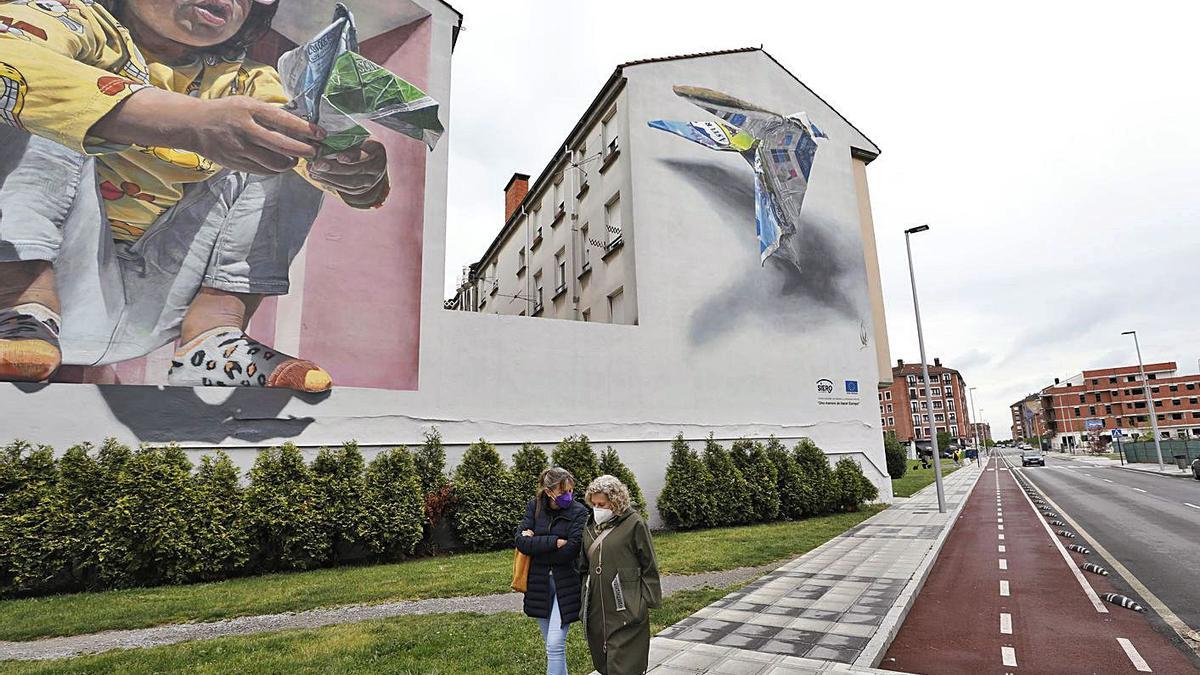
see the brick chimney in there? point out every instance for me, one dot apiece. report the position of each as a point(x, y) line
point(514, 192)
point(937, 362)
point(899, 363)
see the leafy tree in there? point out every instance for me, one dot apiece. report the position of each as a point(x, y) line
point(685, 502)
point(611, 465)
point(791, 486)
point(528, 464)
point(218, 522)
point(575, 454)
point(853, 488)
point(897, 457)
point(761, 476)
point(490, 502)
point(286, 512)
point(393, 504)
point(943, 441)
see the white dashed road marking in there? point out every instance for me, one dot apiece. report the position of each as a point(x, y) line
point(1191, 505)
point(1134, 656)
point(1008, 656)
point(1003, 564)
point(1001, 537)
point(1107, 480)
point(1001, 548)
point(1000, 527)
point(1005, 623)
point(1004, 588)
point(1139, 489)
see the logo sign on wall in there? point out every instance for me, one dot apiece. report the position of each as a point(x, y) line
point(828, 394)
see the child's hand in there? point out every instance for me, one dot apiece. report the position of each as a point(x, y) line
point(352, 172)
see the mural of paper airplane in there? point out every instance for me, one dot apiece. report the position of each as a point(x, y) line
point(780, 148)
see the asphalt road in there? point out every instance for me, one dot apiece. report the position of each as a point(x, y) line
point(1005, 597)
point(1149, 523)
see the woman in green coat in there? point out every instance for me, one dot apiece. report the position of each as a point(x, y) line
point(621, 581)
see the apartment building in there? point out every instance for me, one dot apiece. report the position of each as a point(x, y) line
point(982, 431)
point(904, 408)
point(1087, 408)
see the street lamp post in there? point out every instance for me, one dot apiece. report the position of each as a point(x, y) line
point(937, 456)
point(974, 421)
point(1149, 399)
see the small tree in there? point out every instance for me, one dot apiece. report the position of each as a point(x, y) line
point(430, 462)
point(729, 490)
point(684, 502)
point(528, 464)
point(819, 487)
point(490, 503)
point(894, 453)
point(761, 476)
point(853, 488)
point(791, 485)
point(28, 499)
point(943, 440)
point(146, 535)
point(339, 476)
point(84, 482)
point(575, 454)
point(286, 512)
point(218, 523)
point(393, 504)
point(611, 464)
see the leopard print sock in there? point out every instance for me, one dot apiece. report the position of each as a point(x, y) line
point(29, 349)
point(227, 357)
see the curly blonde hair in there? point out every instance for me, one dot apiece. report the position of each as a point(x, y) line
point(612, 488)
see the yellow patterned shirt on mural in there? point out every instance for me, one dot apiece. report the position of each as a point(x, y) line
point(64, 64)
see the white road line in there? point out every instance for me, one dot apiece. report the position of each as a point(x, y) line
point(1005, 623)
point(1191, 505)
point(1001, 537)
point(1008, 656)
point(1139, 489)
point(1004, 588)
point(999, 527)
point(999, 520)
point(1001, 548)
point(1087, 589)
point(1107, 480)
point(1134, 656)
point(1004, 468)
point(1003, 564)
point(1088, 475)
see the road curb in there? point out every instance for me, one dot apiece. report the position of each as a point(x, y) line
point(873, 653)
point(1185, 476)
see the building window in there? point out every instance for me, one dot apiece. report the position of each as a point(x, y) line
point(537, 293)
point(1108, 410)
point(612, 221)
point(560, 271)
point(616, 306)
point(1174, 387)
point(1091, 410)
point(949, 404)
point(920, 432)
point(889, 407)
point(891, 421)
point(1112, 380)
point(912, 379)
point(939, 417)
point(945, 377)
point(937, 405)
point(520, 261)
point(887, 396)
point(559, 205)
point(1082, 399)
point(608, 131)
point(585, 246)
point(937, 391)
point(953, 432)
point(912, 393)
point(1176, 416)
point(587, 315)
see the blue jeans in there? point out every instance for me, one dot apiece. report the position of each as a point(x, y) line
point(555, 636)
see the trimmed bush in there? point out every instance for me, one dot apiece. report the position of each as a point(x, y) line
point(286, 512)
point(338, 474)
point(853, 488)
point(790, 482)
point(430, 463)
point(220, 538)
point(728, 488)
point(575, 454)
point(85, 483)
point(393, 504)
point(761, 476)
point(817, 484)
point(490, 502)
point(611, 465)
point(528, 464)
point(28, 501)
point(897, 457)
point(684, 502)
point(147, 538)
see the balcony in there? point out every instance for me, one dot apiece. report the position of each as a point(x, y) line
point(537, 239)
point(611, 152)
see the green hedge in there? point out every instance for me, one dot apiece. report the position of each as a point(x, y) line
point(896, 455)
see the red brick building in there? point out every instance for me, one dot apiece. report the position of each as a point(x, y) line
point(1028, 420)
point(1113, 398)
point(904, 410)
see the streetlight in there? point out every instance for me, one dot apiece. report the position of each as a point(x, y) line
point(974, 420)
point(937, 456)
point(1149, 400)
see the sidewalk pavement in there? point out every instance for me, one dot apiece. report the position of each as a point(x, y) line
point(833, 610)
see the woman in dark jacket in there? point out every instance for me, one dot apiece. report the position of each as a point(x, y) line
point(550, 534)
point(622, 581)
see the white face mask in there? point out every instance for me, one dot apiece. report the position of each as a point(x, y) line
point(601, 515)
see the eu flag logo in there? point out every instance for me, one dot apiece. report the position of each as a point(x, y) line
point(851, 386)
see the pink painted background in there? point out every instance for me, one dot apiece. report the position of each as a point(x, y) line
point(360, 314)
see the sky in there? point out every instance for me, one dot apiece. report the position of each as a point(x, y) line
point(1051, 147)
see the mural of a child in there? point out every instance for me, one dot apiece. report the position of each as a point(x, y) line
point(152, 188)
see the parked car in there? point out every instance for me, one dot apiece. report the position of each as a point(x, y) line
point(1196, 468)
point(1030, 457)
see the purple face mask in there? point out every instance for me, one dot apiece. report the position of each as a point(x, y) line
point(564, 500)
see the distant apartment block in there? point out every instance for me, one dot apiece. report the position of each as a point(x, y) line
point(904, 409)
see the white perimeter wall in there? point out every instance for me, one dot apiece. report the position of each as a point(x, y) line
point(720, 348)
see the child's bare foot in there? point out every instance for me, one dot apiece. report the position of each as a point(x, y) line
point(29, 350)
point(227, 357)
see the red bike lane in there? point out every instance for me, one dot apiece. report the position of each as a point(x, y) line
point(1001, 598)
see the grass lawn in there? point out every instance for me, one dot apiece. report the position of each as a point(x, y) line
point(915, 479)
point(433, 645)
point(446, 576)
